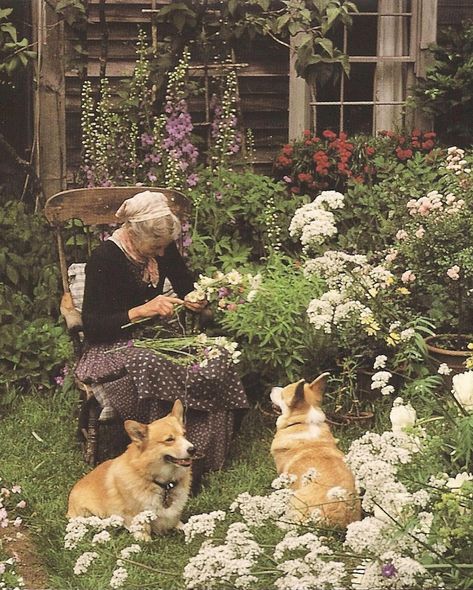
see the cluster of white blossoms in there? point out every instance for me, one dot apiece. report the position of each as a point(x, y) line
point(228, 564)
point(333, 308)
point(380, 381)
point(435, 201)
point(215, 345)
point(202, 524)
point(456, 162)
point(352, 285)
point(77, 528)
point(314, 222)
point(228, 289)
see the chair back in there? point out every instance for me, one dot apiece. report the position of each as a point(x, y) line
point(88, 207)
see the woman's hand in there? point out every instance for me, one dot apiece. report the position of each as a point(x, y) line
point(160, 305)
point(196, 306)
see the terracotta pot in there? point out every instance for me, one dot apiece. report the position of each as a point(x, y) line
point(455, 359)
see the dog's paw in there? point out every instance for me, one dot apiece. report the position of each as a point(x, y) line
point(142, 536)
point(179, 526)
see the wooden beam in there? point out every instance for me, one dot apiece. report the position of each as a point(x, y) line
point(299, 98)
point(50, 138)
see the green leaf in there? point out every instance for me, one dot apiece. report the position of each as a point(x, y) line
point(4, 12)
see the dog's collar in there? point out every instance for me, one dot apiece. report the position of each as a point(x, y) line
point(294, 424)
point(167, 487)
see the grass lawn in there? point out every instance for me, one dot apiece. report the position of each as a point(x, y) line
point(40, 453)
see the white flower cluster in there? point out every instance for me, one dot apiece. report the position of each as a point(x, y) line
point(84, 561)
point(332, 308)
point(256, 510)
point(336, 267)
point(373, 459)
point(434, 201)
point(222, 286)
point(456, 161)
point(380, 381)
point(214, 348)
point(314, 222)
point(312, 571)
point(228, 564)
point(202, 524)
point(77, 528)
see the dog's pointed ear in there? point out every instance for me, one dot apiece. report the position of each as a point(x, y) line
point(178, 410)
point(318, 385)
point(136, 431)
point(298, 396)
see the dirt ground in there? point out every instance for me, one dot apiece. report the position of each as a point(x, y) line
point(17, 543)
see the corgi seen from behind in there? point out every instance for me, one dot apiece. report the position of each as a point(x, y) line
point(153, 474)
point(304, 447)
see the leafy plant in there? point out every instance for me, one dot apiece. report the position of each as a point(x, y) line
point(14, 52)
point(239, 217)
point(277, 342)
point(446, 93)
point(34, 345)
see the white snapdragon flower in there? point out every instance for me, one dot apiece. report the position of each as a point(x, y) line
point(463, 389)
point(402, 415)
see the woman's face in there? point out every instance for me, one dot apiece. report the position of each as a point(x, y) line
point(151, 248)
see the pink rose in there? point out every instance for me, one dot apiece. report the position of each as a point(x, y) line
point(408, 276)
point(453, 272)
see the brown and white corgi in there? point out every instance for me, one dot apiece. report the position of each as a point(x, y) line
point(154, 474)
point(304, 447)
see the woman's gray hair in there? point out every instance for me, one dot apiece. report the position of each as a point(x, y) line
point(162, 229)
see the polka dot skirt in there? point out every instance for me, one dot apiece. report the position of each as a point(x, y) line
point(142, 385)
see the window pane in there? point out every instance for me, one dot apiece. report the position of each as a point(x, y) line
point(362, 35)
point(327, 118)
point(329, 91)
point(358, 119)
point(359, 86)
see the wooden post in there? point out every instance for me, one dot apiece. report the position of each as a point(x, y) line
point(49, 103)
point(427, 34)
point(299, 98)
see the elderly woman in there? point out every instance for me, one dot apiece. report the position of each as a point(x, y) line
point(124, 283)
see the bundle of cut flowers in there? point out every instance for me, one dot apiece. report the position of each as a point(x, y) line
point(194, 351)
point(226, 290)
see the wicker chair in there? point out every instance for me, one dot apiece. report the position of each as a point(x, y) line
point(78, 216)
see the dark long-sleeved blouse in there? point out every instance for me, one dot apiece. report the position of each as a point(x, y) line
point(114, 285)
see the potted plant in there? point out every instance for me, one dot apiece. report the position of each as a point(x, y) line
point(433, 255)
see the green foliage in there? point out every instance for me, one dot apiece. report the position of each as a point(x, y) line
point(274, 334)
point(14, 52)
point(239, 217)
point(237, 20)
point(446, 93)
point(33, 344)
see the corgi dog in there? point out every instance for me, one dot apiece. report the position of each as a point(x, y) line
point(304, 447)
point(154, 474)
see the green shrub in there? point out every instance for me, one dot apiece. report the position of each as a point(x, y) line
point(277, 342)
point(238, 217)
point(446, 93)
point(34, 345)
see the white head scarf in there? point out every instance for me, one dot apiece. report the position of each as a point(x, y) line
point(143, 206)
